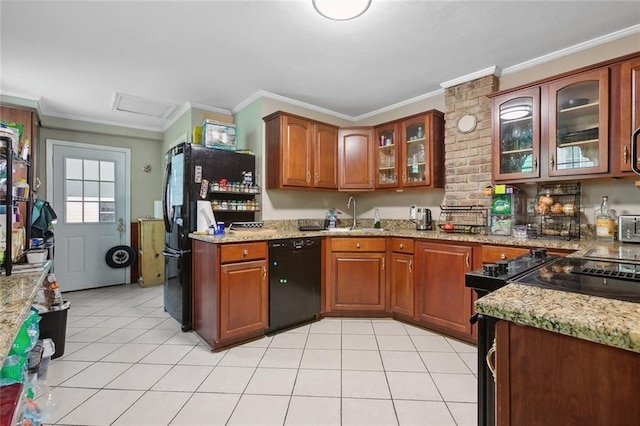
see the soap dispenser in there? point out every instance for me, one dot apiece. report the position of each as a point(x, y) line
point(376, 219)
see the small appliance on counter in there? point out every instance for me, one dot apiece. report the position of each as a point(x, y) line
point(421, 216)
point(507, 210)
point(629, 228)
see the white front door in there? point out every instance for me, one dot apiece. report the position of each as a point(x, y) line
point(88, 187)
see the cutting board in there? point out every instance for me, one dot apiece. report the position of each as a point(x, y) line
point(253, 231)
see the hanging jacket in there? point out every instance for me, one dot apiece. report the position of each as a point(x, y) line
point(42, 220)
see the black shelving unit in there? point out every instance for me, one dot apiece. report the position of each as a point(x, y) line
point(9, 201)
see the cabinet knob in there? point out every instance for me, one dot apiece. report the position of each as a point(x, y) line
point(503, 256)
point(535, 163)
point(357, 245)
point(245, 252)
point(553, 162)
point(401, 245)
point(625, 155)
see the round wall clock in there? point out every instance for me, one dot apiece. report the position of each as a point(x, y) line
point(467, 123)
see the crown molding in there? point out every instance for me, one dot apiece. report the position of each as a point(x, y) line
point(573, 49)
point(400, 104)
point(470, 77)
point(275, 97)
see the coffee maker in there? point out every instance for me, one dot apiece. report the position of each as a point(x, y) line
point(421, 216)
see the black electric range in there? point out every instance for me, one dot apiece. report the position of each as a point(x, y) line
point(611, 279)
point(492, 276)
point(611, 272)
point(483, 281)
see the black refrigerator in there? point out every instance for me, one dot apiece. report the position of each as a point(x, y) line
point(190, 171)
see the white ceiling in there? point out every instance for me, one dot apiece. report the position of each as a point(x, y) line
point(75, 56)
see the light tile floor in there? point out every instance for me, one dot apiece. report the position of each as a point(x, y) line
point(126, 362)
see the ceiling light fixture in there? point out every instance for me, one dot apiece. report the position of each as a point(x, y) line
point(341, 10)
point(514, 112)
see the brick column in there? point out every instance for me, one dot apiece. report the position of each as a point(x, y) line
point(468, 156)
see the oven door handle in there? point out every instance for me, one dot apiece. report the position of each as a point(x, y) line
point(491, 360)
point(474, 318)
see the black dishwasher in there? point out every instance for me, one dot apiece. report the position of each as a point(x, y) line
point(294, 282)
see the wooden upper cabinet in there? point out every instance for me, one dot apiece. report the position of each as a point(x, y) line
point(355, 159)
point(410, 152)
point(422, 150)
point(628, 92)
point(559, 129)
point(325, 153)
point(516, 135)
point(579, 124)
point(387, 141)
point(301, 153)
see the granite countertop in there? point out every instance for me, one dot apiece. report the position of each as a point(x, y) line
point(16, 293)
point(403, 233)
point(607, 321)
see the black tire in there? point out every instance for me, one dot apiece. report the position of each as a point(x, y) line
point(120, 257)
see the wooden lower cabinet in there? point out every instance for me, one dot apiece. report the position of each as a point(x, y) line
point(230, 292)
point(443, 303)
point(546, 378)
point(402, 276)
point(357, 275)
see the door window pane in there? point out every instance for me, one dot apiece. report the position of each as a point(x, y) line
point(91, 212)
point(87, 182)
point(107, 191)
point(107, 171)
point(91, 171)
point(73, 212)
point(74, 190)
point(73, 169)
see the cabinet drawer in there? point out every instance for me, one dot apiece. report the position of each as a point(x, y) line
point(402, 245)
point(241, 252)
point(357, 244)
point(491, 254)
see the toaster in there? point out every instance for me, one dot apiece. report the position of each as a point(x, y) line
point(629, 228)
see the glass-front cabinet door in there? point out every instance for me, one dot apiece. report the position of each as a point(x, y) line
point(387, 139)
point(516, 135)
point(578, 124)
point(415, 155)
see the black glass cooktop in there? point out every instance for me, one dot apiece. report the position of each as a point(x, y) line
point(603, 278)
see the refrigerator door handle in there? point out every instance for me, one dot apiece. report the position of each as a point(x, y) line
point(169, 252)
point(165, 189)
point(634, 151)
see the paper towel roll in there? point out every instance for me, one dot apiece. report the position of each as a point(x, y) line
point(157, 209)
point(205, 216)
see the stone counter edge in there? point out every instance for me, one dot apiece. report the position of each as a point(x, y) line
point(607, 321)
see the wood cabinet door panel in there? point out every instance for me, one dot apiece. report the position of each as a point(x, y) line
point(629, 94)
point(355, 157)
point(358, 281)
point(402, 287)
point(296, 151)
point(243, 298)
point(546, 378)
point(325, 157)
point(580, 157)
point(443, 299)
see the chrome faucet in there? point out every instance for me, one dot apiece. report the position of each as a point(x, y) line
point(354, 210)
